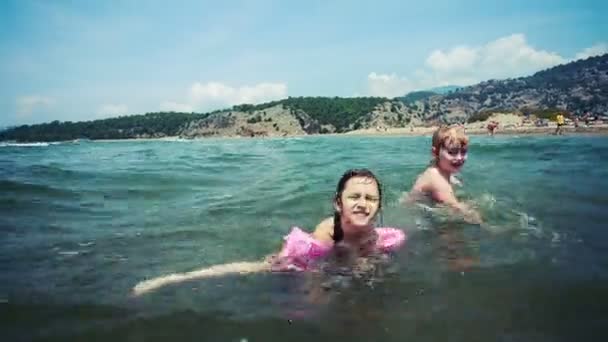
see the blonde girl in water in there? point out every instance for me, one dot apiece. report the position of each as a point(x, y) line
point(449, 150)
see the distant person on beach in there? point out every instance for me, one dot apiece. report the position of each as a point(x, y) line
point(492, 125)
point(560, 123)
point(449, 151)
point(357, 202)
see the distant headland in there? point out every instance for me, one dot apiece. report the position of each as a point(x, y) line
point(577, 89)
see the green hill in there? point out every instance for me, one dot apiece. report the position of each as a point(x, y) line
point(576, 88)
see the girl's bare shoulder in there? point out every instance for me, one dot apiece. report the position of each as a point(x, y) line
point(324, 230)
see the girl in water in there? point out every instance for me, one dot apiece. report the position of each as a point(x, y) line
point(356, 203)
point(449, 150)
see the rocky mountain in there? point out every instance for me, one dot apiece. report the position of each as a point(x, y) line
point(272, 121)
point(575, 88)
point(294, 116)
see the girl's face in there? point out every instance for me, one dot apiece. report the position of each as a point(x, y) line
point(451, 158)
point(358, 204)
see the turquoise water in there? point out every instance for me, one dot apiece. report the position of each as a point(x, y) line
point(80, 224)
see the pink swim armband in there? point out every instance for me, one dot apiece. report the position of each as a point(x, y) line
point(301, 250)
point(389, 239)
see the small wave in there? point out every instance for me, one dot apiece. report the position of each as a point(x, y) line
point(115, 257)
point(34, 144)
point(68, 253)
point(527, 222)
point(488, 200)
point(55, 170)
point(176, 139)
point(192, 234)
point(16, 187)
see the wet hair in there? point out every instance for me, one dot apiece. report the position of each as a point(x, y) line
point(448, 136)
point(338, 234)
point(445, 136)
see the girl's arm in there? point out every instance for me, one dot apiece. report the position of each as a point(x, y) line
point(273, 262)
point(444, 194)
point(207, 272)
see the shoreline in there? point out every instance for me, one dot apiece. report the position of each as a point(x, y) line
point(402, 132)
point(600, 130)
point(523, 130)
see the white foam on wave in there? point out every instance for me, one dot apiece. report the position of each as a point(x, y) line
point(29, 144)
point(487, 200)
point(529, 224)
point(34, 144)
point(69, 253)
point(176, 139)
point(116, 257)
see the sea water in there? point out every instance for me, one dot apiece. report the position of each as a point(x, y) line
point(81, 223)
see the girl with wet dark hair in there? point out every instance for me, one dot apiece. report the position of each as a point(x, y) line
point(338, 233)
point(356, 203)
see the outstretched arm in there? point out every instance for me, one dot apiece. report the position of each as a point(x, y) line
point(274, 262)
point(445, 195)
point(207, 272)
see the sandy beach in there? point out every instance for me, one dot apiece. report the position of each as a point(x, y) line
point(510, 124)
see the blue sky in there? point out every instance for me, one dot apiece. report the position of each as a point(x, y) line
point(84, 60)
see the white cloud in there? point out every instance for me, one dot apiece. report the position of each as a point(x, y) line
point(596, 50)
point(459, 58)
point(27, 104)
point(215, 92)
point(213, 95)
point(505, 57)
point(387, 85)
point(112, 110)
point(511, 57)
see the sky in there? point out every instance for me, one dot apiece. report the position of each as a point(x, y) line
point(86, 60)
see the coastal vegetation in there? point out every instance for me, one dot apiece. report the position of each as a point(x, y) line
point(572, 89)
point(123, 127)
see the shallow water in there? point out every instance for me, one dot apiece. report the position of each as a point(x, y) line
point(80, 224)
